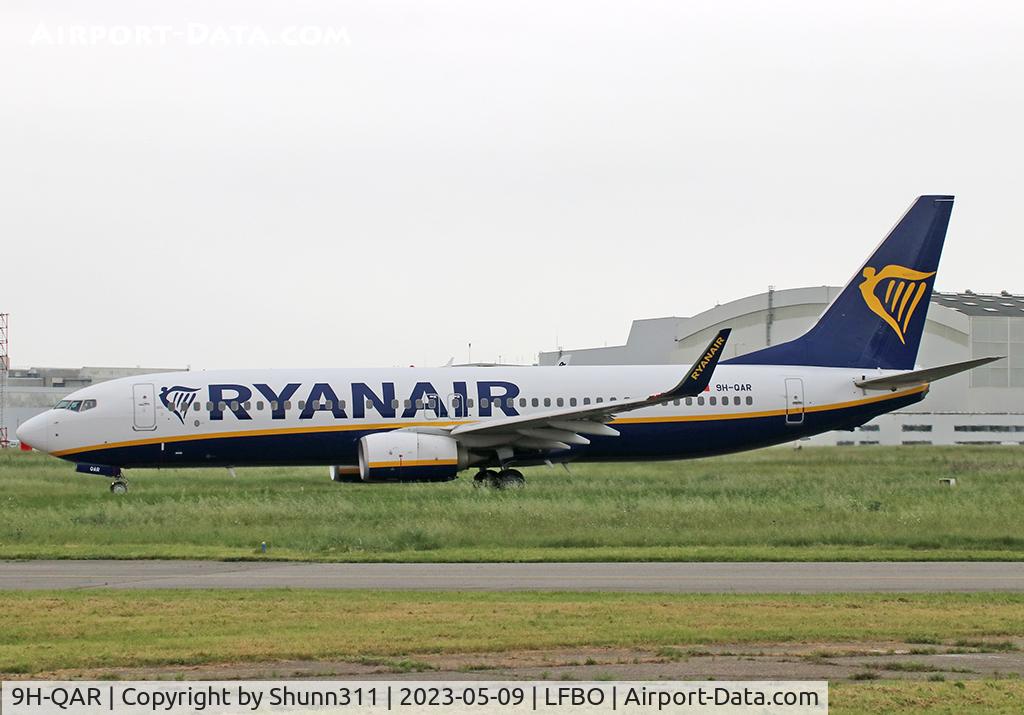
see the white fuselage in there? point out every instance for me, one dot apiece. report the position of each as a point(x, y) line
point(231, 417)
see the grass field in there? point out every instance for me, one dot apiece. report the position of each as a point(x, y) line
point(81, 634)
point(779, 504)
point(979, 697)
point(43, 631)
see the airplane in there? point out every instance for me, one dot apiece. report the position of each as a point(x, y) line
point(412, 424)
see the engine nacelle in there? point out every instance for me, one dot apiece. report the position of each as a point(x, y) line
point(409, 457)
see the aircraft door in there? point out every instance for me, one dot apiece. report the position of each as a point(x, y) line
point(456, 406)
point(794, 401)
point(432, 404)
point(144, 407)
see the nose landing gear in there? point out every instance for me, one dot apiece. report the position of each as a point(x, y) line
point(119, 483)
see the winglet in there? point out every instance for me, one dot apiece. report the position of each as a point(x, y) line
point(698, 377)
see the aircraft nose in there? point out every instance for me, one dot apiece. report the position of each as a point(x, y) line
point(35, 433)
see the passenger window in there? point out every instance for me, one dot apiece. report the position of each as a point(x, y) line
point(522, 402)
point(736, 400)
point(572, 402)
point(713, 400)
point(247, 405)
point(259, 405)
point(288, 404)
point(234, 405)
point(273, 406)
point(222, 405)
point(329, 404)
point(675, 402)
point(197, 406)
point(750, 400)
point(599, 400)
point(369, 404)
point(469, 402)
point(547, 402)
point(612, 399)
point(700, 400)
point(535, 402)
point(302, 404)
point(209, 407)
point(408, 404)
point(560, 402)
point(586, 400)
point(420, 404)
point(484, 403)
point(394, 404)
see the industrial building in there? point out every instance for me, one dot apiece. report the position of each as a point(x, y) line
point(983, 406)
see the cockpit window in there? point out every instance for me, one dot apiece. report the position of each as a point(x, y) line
point(75, 405)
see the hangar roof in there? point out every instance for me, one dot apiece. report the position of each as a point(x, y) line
point(982, 304)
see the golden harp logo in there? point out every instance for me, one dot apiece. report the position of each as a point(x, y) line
point(903, 288)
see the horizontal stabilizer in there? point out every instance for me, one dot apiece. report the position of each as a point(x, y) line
point(917, 377)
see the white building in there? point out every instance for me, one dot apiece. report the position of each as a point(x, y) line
point(985, 405)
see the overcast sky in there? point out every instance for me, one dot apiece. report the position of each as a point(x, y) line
point(327, 183)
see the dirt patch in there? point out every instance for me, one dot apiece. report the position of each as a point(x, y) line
point(768, 661)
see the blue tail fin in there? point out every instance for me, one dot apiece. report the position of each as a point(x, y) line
point(876, 322)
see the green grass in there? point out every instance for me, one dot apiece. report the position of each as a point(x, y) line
point(977, 697)
point(45, 631)
point(779, 504)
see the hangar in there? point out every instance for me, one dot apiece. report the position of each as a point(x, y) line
point(984, 406)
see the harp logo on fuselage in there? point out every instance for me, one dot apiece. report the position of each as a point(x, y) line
point(901, 290)
point(178, 400)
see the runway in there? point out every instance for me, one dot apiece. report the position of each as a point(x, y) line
point(821, 577)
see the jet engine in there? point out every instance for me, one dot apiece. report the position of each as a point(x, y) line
point(410, 457)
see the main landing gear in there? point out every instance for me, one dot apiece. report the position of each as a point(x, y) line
point(505, 479)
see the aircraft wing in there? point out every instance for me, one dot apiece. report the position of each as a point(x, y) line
point(558, 429)
point(918, 377)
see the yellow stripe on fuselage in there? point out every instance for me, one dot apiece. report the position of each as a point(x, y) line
point(278, 431)
point(274, 432)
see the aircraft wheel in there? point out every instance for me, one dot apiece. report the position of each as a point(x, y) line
point(119, 486)
point(485, 478)
point(510, 479)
